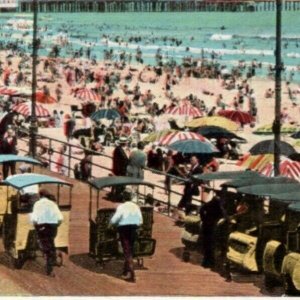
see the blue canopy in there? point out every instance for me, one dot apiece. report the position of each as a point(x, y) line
point(227, 175)
point(21, 181)
point(17, 158)
point(257, 180)
point(289, 197)
point(110, 181)
point(269, 189)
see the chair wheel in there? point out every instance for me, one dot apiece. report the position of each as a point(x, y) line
point(59, 259)
point(140, 262)
point(186, 256)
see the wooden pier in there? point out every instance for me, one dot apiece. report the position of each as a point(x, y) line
point(110, 6)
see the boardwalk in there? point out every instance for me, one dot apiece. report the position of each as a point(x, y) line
point(164, 274)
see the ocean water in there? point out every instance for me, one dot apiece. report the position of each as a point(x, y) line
point(228, 37)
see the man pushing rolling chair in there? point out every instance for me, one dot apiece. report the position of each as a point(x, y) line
point(46, 218)
point(127, 218)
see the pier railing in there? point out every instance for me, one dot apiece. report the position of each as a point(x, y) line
point(50, 148)
point(108, 6)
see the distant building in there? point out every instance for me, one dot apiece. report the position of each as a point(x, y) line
point(8, 5)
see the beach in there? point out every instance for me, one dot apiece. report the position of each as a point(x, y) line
point(77, 66)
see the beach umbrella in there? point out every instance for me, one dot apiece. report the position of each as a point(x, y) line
point(109, 114)
point(156, 135)
point(6, 91)
point(287, 168)
point(193, 146)
point(238, 116)
point(217, 132)
point(267, 146)
point(173, 137)
point(184, 109)
point(255, 162)
point(267, 129)
point(45, 99)
point(87, 95)
point(214, 121)
point(25, 110)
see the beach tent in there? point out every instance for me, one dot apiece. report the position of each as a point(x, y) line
point(238, 116)
point(216, 132)
point(185, 109)
point(173, 137)
point(288, 168)
point(214, 121)
point(25, 110)
point(45, 99)
point(157, 135)
point(6, 91)
point(193, 147)
point(87, 94)
point(267, 146)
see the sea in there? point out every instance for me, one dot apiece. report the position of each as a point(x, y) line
point(229, 38)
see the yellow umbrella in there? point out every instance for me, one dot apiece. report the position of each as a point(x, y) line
point(155, 136)
point(213, 121)
point(267, 129)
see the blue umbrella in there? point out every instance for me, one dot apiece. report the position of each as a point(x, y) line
point(109, 114)
point(193, 146)
point(217, 132)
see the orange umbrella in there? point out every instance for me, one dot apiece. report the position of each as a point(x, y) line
point(45, 99)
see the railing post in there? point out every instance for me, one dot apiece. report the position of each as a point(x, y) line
point(50, 153)
point(169, 201)
point(69, 160)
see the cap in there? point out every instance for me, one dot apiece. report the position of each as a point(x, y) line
point(127, 195)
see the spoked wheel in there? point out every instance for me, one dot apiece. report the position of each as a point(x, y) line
point(140, 262)
point(269, 281)
point(100, 263)
point(186, 256)
point(288, 285)
point(17, 263)
point(59, 259)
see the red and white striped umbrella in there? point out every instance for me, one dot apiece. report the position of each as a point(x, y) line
point(7, 91)
point(87, 95)
point(173, 137)
point(185, 109)
point(25, 110)
point(288, 168)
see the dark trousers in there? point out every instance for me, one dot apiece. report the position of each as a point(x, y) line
point(208, 238)
point(127, 235)
point(46, 234)
point(186, 200)
point(5, 168)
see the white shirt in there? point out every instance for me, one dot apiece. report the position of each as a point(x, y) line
point(46, 211)
point(127, 213)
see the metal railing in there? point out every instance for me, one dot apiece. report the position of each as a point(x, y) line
point(52, 145)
